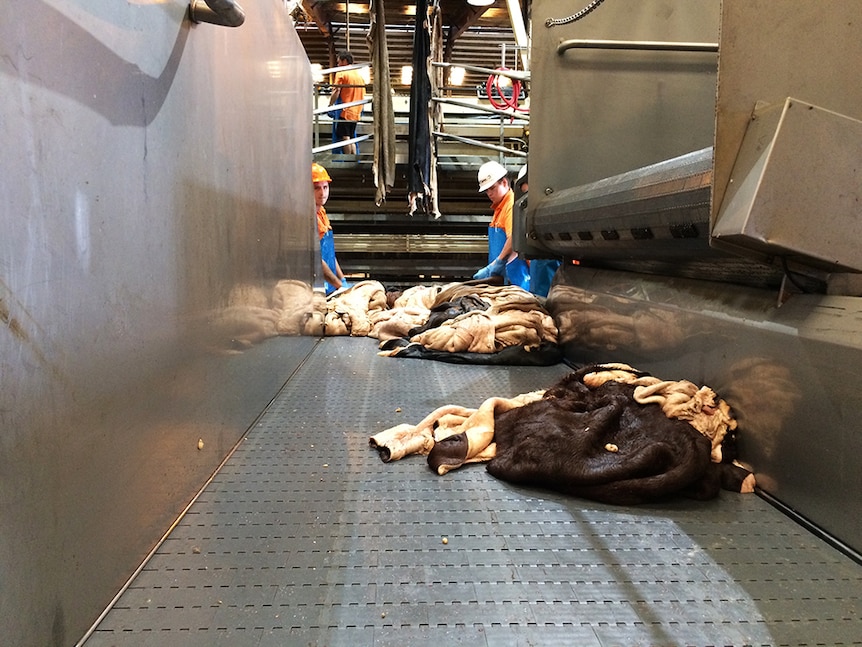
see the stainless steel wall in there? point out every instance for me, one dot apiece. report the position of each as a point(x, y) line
point(774, 49)
point(153, 188)
point(596, 113)
point(790, 373)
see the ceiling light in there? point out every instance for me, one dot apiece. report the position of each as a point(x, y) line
point(406, 74)
point(456, 75)
point(352, 7)
point(480, 3)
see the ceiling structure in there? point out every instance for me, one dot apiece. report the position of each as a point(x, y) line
point(474, 36)
point(383, 239)
point(480, 36)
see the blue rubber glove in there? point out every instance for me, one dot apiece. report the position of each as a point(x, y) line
point(495, 268)
point(344, 284)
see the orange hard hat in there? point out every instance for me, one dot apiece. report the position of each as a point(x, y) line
point(319, 174)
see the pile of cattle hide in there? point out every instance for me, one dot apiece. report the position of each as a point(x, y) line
point(458, 322)
point(605, 432)
point(252, 314)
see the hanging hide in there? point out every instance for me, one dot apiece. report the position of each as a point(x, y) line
point(435, 108)
point(383, 167)
point(419, 134)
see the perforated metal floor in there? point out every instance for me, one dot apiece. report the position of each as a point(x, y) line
point(306, 538)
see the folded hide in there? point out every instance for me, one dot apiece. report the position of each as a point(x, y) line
point(351, 312)
point(472, 323)
point(589, 435)
point(447, 310)
point(472, 430)
point(700, 406)
point(547, 354)
point(600, 443)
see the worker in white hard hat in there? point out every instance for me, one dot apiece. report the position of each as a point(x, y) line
point(503, 260)
point(521, 182)
point(542, 270)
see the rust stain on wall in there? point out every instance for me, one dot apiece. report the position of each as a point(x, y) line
point(12, 323)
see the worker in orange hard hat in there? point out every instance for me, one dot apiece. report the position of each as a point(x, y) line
point(333, 277)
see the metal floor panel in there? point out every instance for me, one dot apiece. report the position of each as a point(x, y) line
point(306, 538)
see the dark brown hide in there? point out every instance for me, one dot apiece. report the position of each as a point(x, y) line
point(443, 312)
point(451, 450)
point(601, 444)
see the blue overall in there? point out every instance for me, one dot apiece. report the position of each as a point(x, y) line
point(542, 272)
point(517, 270)
point(327, 253)
point(335, 115)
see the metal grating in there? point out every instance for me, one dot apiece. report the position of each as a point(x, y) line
point(306, 538)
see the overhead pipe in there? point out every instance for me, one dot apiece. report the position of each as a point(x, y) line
point(512, 74)
point(225, 13)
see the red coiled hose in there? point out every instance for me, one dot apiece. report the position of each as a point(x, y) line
point(501, 101)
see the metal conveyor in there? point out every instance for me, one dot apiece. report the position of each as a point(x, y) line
point(304, 537)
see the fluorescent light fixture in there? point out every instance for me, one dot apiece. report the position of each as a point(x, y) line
point(317, 72)
point(354, 7)
point(406, 74)
point(456, 75)
point(480, 3)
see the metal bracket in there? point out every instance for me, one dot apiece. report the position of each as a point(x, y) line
point(225, 13)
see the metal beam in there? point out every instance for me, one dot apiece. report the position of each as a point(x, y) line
point(321, 14)
point(520, 31)
point(458, 26)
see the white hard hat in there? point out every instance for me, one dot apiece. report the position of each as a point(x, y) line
point(522, 174)
point(489, 173)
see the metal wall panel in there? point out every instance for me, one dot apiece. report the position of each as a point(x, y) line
point(153, 187)
point(774, 49)
point(790, 373)
point(596, 113)
point(793, 191)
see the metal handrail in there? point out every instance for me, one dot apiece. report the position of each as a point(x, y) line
point(339, 106)
point(512, 115)
point(638, 45)
point(225, 13)
point(344, 68)
point(476, 142)
point(339, 144)
point(518, 75)
point(494, 111)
